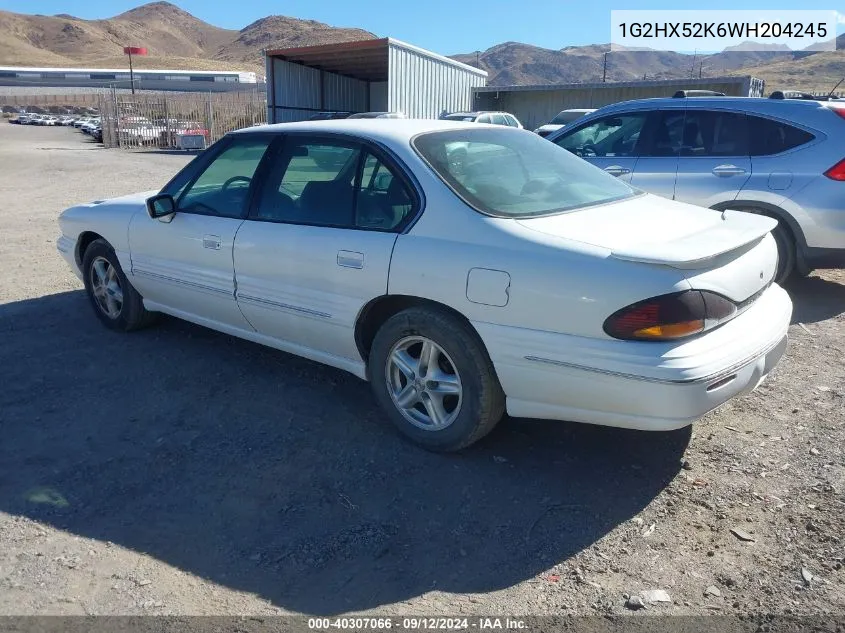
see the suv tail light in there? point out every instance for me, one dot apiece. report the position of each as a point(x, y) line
point(837, 172)
point(839, 111)
point(670, 317)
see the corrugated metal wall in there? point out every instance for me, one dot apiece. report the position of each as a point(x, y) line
point(378, 96)
point(423, 86)
point(344, 93)
point(537, 107)
point(299, 91)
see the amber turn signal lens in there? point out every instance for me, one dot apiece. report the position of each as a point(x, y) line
point(671, 330)
point(670, 317)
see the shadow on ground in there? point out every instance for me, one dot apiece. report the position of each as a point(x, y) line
point(815, 299)
point(278, 476)
point(168, 152)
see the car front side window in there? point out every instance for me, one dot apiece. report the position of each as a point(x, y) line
point(222, 189)
point(616, 135)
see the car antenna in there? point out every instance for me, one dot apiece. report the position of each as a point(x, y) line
point(830, 94)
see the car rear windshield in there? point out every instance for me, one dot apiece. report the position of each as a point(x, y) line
point(460, 117)
point(566, 117)
point(515, 174)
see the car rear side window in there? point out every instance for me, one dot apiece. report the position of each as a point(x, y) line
point(768, 136)
point(714, 133)
point(333, 183)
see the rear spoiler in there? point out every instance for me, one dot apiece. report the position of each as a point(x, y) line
point(696, 250)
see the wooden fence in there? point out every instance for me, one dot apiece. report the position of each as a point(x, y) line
point(159, 120)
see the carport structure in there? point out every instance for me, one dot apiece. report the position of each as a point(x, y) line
point(381, 75)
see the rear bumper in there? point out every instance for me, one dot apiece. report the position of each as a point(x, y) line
point(637, 385)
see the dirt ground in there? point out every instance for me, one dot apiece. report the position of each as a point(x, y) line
point(181, 471)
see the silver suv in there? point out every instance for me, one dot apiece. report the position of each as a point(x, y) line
point(778, 157)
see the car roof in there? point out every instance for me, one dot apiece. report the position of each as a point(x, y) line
point(759, 104)
point(391, 130)
point(477, 113)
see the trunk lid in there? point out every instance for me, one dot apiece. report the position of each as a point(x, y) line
point(728, 252)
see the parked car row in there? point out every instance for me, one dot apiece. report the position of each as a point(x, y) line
point(42, 119)
point(143, 131)
point(90, 125)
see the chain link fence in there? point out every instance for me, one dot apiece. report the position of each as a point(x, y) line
point(177, 120)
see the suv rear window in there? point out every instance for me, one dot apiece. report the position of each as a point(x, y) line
point(768, 137)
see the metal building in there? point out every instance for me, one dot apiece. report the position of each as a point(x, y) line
point(145, 79)
point(378, 75)
point(537, 105)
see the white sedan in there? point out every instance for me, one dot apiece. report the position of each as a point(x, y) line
point(519, 279)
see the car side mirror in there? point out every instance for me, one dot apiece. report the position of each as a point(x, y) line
point(161, 206)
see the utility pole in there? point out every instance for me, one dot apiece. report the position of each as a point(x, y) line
point(604, 70)
point(130, 50)
point(700, 66)
point(692, 68)
point(131, 74)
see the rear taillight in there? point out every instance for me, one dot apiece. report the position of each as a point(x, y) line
point(670, 317)
point(837, 172)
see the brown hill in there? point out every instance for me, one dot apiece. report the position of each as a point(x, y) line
point(279, 31)
point(173, 37)
point(176, 39)
point(514, 63)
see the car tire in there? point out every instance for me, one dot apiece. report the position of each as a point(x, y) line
point(787, 260)
point(786, 253)
point(437, 422)
point(115, 301)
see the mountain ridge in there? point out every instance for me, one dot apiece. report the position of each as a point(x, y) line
point(177, 39)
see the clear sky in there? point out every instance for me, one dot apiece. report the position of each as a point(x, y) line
point(444, 26)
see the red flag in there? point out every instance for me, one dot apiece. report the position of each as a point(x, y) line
point(134, 50)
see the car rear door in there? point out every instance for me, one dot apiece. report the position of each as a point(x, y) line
point(714, 162)
point(183, 262)
point(610, 142)
point(316, 247)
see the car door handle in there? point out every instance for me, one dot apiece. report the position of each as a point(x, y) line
point(350, 259)
point(617, 170)
point(211, 241)
point(728, 170)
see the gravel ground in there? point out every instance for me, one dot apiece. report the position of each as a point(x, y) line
point(181, 471)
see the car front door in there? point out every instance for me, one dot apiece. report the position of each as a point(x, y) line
point(316, 247)
point(182, 263)
point(714, 162)
point(659, 148)
point(610, 142)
